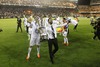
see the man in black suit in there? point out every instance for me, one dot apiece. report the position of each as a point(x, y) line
point(19, 24)
point(52, 39)
point(97, 29)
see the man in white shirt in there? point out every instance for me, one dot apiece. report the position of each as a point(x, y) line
point(52, 38)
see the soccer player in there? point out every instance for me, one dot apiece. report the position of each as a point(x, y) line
point(65, 32)
point(25, 23)
point(35, 39)
point(29, 25)
point(74, 22)
point(45, 25)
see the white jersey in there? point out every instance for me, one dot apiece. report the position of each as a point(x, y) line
point(45, 21)
point(55, 22)
point(65, 33)
point(35, 31)
point(25, 21)
point(74, 22)
point(45, 25)
point(60, 19)
point(65, 28)
point(40, 21)
point(35, 35)
point(49, 30)
point(30, 25)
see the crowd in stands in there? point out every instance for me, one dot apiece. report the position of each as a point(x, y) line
point(95, 9)
point(40, 3)
point(93, 2)
point(11, 12)
point(87, 10)
point(14, 11)
point(8, 8)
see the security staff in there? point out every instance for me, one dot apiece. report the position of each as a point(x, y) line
point(19, 24)
point(97, 29)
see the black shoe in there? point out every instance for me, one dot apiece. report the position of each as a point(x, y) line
point(52, 61)
point(93, 38)
point(53, 56)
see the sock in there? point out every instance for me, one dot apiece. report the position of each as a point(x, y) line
point(64, 40)
point(29, 51)
point(67, 40)
point(38, 50)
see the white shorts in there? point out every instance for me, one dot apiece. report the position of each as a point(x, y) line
point(34, 41)
point(65, 33)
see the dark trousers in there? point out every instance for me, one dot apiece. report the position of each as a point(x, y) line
point(51, 43)
point(19, 26)
point(27, 29)
point(96, 34)
point(75, 26)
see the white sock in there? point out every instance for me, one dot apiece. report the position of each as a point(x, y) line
point(38, 50)
point(67, 40)
point(64, 40)
point(29, 51)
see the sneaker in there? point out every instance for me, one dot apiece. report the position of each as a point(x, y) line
point(27, 58)
point(52, 61)
point(38, 55)
point(66, 44)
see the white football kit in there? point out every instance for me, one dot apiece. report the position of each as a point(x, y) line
point(74, 22)
point(35, 36)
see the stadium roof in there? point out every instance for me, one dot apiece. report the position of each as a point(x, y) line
point(72, 0)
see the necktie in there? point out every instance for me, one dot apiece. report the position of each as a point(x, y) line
point(53, 34)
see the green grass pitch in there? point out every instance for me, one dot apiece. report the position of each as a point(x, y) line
point(82, 51)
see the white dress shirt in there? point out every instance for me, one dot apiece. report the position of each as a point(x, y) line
point(49, 32)
point(25, 21)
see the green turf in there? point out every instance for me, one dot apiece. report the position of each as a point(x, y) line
point(81, 52)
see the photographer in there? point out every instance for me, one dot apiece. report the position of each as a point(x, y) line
point(93, 20)
point(97, 29)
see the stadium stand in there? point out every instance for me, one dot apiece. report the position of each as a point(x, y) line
point(12, 8)
point(90, 9)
